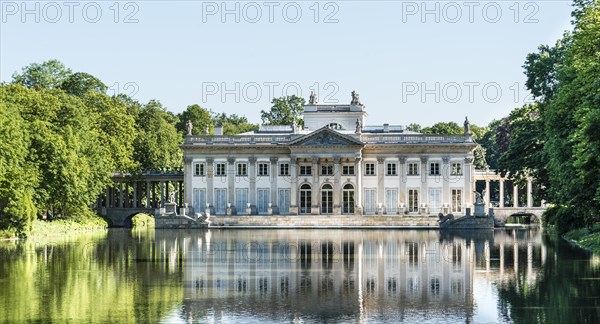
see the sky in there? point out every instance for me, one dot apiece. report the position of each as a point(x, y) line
point(410, 61)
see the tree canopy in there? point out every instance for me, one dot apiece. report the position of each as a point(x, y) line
point(285, 111)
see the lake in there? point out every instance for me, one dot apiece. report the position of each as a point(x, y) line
point(300, 276)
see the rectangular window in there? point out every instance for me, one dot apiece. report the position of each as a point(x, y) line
point(413, 168)
point(369, 169)
point(199, 169)
point(456, 201)
point(221, 169)
point(242, 169)
point(434, 168)
point(263, 169)
point(391, 169)
point(284, 169)
point(284, 201)
point(220, 201)
point(305, 170)
point(348, 169)
point(391, 201)
point(435, 200)
point(241, 200)
point(199, 200)
point(456, 168)
point(326, 169)
point(262, 201)
point(370, 201)
point(413, 200)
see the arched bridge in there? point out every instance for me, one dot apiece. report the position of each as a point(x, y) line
point(146, 192)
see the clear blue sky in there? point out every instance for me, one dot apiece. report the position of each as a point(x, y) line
point(185, 52)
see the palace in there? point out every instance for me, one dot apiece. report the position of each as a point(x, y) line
point(334, 165)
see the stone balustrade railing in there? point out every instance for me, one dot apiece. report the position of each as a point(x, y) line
point(365, 138)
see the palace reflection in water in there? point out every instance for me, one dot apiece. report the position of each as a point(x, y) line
point(263, 276)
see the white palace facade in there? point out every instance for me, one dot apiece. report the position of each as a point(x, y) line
point(332, 166)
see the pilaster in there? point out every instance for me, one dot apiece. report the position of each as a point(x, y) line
point(273, 177)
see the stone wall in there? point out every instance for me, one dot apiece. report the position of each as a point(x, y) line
point(345, 221)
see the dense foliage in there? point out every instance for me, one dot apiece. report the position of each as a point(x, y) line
point(63, 136)
point(557, 139)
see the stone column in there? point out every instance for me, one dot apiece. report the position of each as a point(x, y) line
point(188, 176)
point(252, 178)
point(358, 188)
point(402, 184)
point(167, 192)
point(148, 191)
point(162, 194)
point(468, 185)
point(154, 202)
point(316, 189)
point(107, 201)
point(380, 179)
point(126, 194)
point(529, 193)
point(424, 199)
point(210, 168)
point(446, 169)
point(274, 187)
point(135, 194)
point(337, 186)
point(293, 186)
point(487, 195)
point(120, 194)
point(501, 200)
point(515, 195)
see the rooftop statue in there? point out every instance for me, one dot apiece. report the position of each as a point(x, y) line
point(467, 126)
point(313, 98)
point(355, 99)
point(189, 127)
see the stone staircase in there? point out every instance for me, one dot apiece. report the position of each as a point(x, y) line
point(323, 221)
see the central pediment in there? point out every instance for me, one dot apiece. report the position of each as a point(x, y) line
point(325, 137)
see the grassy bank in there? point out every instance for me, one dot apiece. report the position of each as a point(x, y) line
point(59, 226)
point(588, 239)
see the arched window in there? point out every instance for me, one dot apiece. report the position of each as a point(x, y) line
point(348, 199)
point(305, 198)
point(326, 199)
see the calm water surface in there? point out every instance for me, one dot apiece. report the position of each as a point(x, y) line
point(261, 276)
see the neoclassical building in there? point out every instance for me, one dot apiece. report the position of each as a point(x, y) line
point(335, 164)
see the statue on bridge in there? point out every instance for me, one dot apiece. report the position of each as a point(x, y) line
point(479, 198)
point(172, 199)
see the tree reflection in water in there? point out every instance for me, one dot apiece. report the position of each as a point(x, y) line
point(287, 275)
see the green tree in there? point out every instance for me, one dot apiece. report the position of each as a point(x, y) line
point(285, 111)
point(64, 149)
point(47, 75)
point(17, 181)
point(444, 128)
point(157, 143)
point(524, 156)
point(489, 143)
point(232, 124)
point(79, 83)
point(199, 117)
point(413, 127)
point(116, 129)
